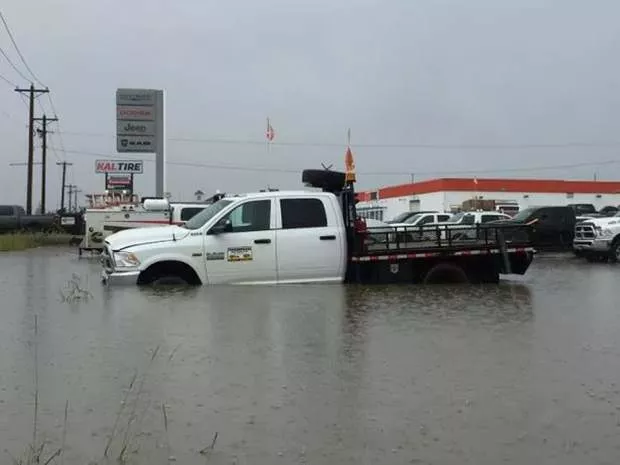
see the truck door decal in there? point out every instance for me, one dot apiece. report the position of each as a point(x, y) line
point(215, 255)
point(239, 254)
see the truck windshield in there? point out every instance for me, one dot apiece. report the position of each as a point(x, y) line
point(400, 218)
point(456, 217)
point(524, 214)
point(413, 219)
point(201, 218)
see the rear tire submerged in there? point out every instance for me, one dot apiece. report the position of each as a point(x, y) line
point(446, 273)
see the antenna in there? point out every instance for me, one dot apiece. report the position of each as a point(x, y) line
point(327, 168)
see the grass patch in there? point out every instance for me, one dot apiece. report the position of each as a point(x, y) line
point(23, 241)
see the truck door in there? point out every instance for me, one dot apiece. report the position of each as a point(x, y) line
point(245, 252)
point(309, 247)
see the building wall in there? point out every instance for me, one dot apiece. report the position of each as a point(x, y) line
point(443, 201)
point(397, 205)
point(534, 199)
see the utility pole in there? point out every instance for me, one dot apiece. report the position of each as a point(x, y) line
point(32, 92)
point(75, 192)
point(64, 165)
point(43, 133)
point(70, 188)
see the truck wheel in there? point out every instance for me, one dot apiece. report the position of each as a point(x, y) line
point(446, 273)
point(169, 280)
point(169, 273)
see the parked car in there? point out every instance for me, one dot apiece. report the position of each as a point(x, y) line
point(14, 218)
point(413, 229)
point(551, 227)
point(608, 211)
point(464, 225)
point(583, 208)
point(404, 217)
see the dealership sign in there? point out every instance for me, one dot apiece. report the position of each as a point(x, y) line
point(119, 166)
point(119, 180)
point(139, 120)
point(140, 128)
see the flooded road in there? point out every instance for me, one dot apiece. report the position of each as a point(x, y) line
point(521, 373)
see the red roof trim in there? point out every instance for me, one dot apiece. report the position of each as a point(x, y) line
point(496, 185)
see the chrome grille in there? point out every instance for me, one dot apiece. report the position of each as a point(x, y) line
point(584, 232)
point(106, 258)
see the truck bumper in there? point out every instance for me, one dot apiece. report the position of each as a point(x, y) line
point(597, 246)
point(119, 277)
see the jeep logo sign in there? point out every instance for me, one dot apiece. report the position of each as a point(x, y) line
point(119, 166)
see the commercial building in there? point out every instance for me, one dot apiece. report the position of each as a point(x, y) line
point(448, 194)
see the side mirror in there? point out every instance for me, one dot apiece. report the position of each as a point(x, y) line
point(222, 226)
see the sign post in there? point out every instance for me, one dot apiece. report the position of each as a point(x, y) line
point(140, 128)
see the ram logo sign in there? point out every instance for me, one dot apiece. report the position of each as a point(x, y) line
point(119, 166)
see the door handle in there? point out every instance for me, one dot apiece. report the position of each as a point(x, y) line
point(262, 241)
point(327, 238)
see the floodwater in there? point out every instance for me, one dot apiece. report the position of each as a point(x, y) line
point(527, 372)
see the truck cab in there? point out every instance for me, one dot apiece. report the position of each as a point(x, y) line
point(267, 237)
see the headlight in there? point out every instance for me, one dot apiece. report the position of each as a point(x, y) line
point(126, 260)
point(606, 232)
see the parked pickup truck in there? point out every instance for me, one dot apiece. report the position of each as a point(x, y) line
point(14, 218)
point(465, 225)
point(598, 239)
point(553, 227)
point(296, 237)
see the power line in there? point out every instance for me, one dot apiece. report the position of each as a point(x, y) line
point(17, 70)
point(516, 146)
point(62, 142)
point(11, 83)
point(368, 173)
point(21, 56)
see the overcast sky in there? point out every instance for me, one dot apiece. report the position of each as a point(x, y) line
point(453, 74)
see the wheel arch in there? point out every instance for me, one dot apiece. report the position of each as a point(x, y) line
point(176, 263)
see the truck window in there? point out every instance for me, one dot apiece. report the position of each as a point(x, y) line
point(468, 219)
point(199, 220)
point(487, 218)
point(425, 220)
point(303, 213)
point(251, 216)
point(190, 212)
point(6, 211)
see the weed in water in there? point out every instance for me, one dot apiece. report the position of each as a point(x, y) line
point(73, 290)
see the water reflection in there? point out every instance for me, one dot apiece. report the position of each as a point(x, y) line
point(319, 374)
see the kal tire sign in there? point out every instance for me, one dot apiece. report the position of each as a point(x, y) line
point(119, 166)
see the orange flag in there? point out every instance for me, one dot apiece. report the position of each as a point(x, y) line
point(349, 166)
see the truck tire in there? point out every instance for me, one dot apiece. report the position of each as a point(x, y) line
point(169, 273)
point(330, 181)
point(169, 280)
point(446, 273)
point(614, 251)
